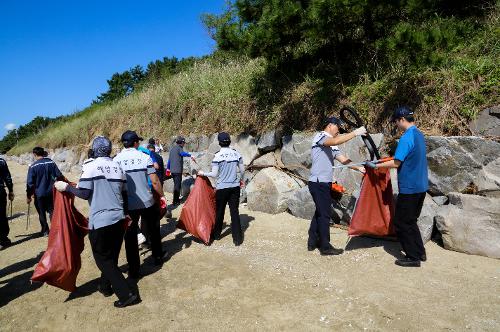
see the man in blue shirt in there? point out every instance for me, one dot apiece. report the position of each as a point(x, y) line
point(411, 161)
point(41, 177)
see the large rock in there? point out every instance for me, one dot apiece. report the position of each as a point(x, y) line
point(471, 224)
point(296, 153)
point(246, 145)
point(487, 122)
point(270, 190)
point(301, 204)
point(267, 160)
point(457, 162)
point(269, 141)
point(426, 220)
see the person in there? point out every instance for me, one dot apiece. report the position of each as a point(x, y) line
point(157, 145)
point(324, 151)
point(160, 166)
point(103, 184)
point(5, 181)
point(90, 158)
point(176, 165)
point(411, 161)
point(41, 177)
point(225, 166)
point(138, 168)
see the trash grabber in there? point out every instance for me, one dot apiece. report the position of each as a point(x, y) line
point(28, 216)
point(382, 160)
point(10, 202)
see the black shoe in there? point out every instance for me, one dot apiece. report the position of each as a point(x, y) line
point(407, 262)
point(133, 299)
point(106, 291)
point(311, 247)
point(331, 251)
point(423, 258)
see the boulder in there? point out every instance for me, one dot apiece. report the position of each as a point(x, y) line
point(301, 204)
point(246, 145)
point(487, 122)
point(426, 220)
point(186, 185)
point(269, 141)
point(471, 224)
point(296, 153)
point(247, 177)
point(267, 160)
point(457, 162)
point(270, 191)
point(440, 200)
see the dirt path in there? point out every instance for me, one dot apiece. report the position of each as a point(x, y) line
point(269, 283)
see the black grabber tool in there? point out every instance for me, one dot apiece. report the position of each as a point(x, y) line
point(352, 118)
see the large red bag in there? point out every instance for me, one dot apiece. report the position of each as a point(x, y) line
point(61, 261)
point(198, 213)
point(375, 206)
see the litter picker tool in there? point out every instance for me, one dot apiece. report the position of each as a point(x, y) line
point(10, 202)
point(364, 163)
point(28, 216)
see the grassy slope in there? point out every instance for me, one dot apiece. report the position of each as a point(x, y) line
point(215, 96)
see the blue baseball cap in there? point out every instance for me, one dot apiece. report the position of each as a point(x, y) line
point(336, 121)
point(401, 112)
point(224, 137)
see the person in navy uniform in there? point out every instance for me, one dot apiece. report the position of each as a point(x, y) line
point(5, 181)
point(41, 177)
point(104, 184)
point(411, 161)
point(324, 152)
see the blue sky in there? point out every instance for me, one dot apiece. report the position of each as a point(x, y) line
point(55, 56)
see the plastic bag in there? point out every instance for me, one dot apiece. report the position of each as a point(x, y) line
point(61, 262)
point(198, 213)
point(375, 206)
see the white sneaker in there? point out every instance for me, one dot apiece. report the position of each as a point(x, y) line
point(140, 238)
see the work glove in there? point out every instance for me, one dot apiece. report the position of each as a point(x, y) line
point(370, 164)
point(11, 196)
point(361, 131)
point(61, 186)
point(200, 173)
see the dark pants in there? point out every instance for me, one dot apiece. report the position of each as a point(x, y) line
point(44, 205)
point(319, 231)
point(150, 217)
point(222, 198)
point(408, 208)
point(4, 223)
point(177, 177)
point(106, 243)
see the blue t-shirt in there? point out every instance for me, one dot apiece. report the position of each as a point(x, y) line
point(412, 173)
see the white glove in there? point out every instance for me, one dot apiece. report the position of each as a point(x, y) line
point(200, 173)
point(360, 131)
point(60, 186)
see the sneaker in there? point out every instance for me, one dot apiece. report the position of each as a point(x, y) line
point(133, 299)
point(407, 262)
point(331, 251)
point(423, 258)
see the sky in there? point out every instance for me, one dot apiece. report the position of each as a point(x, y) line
point(55, 56)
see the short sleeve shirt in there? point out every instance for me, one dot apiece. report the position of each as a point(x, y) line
point(323, 158)
point(107, 181)
point(137, 167)
point(411, 152)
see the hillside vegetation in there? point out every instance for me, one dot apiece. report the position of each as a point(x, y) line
point(290, 63)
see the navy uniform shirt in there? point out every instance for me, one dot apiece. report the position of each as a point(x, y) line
point(41, 177)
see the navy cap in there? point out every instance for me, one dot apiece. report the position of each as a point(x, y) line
point(180, 140)
point(224, 137)
point(336, 121)
point(130, 136)
point(401, 112)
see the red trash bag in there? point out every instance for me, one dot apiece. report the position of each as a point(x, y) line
point(198, 213)
point(60, 264)
point(375, 206)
